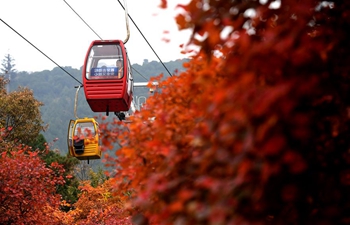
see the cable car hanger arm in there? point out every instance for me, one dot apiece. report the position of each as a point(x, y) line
point(126, 22)
point(146, 40)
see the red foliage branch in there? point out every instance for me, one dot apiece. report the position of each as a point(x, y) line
point(98, 205)
point(256, 130)
point(28, 189)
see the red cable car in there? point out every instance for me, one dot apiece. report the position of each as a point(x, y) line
point(107, 77)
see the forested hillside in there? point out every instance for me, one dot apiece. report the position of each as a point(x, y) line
point(56, 89)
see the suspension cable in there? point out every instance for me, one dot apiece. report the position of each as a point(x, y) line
point(139, 73)
point(128, 31)
point(146, 40)
point(127, 27)
point(41, 52)
point(82, 19)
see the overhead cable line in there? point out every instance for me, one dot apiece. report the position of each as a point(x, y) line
point(139, 73)
point(146, 40)
point(82, 19)
point(102, 39)
point(41, 52)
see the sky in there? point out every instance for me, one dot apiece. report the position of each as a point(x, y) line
point(57, 31)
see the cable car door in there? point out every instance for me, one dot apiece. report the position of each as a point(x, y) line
point(70, 137)
point(130, 81)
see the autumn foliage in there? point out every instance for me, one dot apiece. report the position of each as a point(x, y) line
point(256, 131)
point(28, 188)
point(20, 115)
point(97, 205)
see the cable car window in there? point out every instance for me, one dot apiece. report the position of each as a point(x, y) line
point(86, 129)
point(105, 62)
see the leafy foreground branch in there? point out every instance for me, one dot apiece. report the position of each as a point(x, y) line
point(256, 131)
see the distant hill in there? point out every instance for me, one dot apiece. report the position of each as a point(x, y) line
point(56, 90)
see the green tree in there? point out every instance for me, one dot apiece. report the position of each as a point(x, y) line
point(97, 178)
point(3, 82)
point(20, 116)
point(8, 69)
point(8, 66)
point(70, 189)
point(39, 143)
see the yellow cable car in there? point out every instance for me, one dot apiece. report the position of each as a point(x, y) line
point(84, 139)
